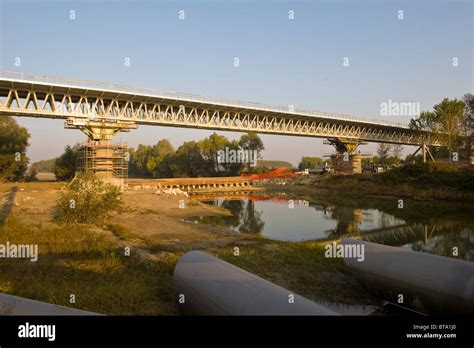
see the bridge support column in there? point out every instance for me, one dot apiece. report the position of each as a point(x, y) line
point(99, 155)
point(346, 160)
point(424, 151)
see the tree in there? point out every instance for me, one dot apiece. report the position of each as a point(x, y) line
point(397, 150)
point(209, 148)
point(156, 155)
point(469, 117)
point(188, 161)
point(13, 144)
point(469, 107)
point(233, 169)
point(65, 165)
point(425, 121)
point(251, 141)
point(43, 166)
point(310, 162)
point(448, 117)
point(396, 157)
point(383, 151)
point(138, 161)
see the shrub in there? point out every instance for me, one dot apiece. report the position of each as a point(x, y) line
point(431, 174)
point(87, 199)
point(65, 165)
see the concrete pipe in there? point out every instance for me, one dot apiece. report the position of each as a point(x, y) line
point(429, 283)
point(14, 305)
point(206, 285)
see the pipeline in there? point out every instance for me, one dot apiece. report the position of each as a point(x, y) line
point(14, 305)
point(428, 283)
point(206, 285)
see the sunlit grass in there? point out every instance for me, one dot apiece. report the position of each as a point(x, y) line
point(74, 260)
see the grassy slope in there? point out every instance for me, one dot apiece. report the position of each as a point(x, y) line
point(430, 181)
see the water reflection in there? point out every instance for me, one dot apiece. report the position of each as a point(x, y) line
point(245, 218)
point(325, 219)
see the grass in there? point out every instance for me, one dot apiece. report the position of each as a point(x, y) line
point(74, 260)
point(120, 231)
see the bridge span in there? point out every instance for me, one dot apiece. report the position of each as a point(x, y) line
point(101, 110)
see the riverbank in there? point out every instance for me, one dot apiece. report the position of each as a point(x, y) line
point(91, 262)
point(429, 182)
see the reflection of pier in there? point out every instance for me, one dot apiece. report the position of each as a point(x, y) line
point(439, 238)
point(228, 195)
point(248, 195)
point(394, 235)
point(403, 234)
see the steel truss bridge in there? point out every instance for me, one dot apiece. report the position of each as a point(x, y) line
point(102, 110)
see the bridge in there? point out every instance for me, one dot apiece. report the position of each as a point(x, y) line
point(101, 110)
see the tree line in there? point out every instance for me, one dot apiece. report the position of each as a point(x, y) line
point(192, 158)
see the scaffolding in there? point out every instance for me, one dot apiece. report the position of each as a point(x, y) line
point(106, 160)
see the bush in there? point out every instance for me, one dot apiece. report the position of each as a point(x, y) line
point(436, 175)
point(65, 165)
point(87, 199)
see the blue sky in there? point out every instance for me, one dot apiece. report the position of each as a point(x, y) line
point(282, 61)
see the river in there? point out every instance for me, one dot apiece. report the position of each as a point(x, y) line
point(445, 229)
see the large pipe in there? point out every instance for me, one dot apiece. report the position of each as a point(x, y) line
point(430, 283)
point(14, 305)
point(209, 286)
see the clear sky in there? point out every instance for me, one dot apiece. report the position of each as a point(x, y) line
point(283, 61)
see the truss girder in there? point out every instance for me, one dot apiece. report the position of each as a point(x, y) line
point(169, 112)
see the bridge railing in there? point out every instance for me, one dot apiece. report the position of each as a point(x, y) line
point(189, 97)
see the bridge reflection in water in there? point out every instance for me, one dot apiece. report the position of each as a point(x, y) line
point(274, 218)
